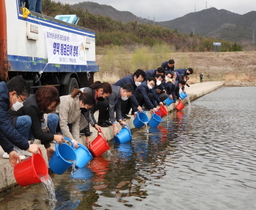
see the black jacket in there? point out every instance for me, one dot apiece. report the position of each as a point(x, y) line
point(129, 79)
point(8, 134)
point(32, 109)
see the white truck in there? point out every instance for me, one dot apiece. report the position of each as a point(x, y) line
point(44, 50)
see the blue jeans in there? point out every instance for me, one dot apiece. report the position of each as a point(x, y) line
point(53, 123)
point(23, 125)
point(35, 5)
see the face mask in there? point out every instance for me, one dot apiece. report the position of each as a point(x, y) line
point(137, 83)
point(158, 82)
point(100, 99)
point(149, 87)
point(83, 110)
point(16, 106)
point(124, 98)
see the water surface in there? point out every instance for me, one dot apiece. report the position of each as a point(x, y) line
point(201, 158)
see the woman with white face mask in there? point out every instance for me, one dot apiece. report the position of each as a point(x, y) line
point(12, 95)
point(145, 96)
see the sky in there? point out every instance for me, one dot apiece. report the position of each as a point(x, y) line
point(163, 10)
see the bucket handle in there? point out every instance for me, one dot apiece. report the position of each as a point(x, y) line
point(159, 112)
point(127, 127)
point(102, 134)
point(66, 138)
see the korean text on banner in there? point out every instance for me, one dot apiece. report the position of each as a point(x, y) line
point(65, 48)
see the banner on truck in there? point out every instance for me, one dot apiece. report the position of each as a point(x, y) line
point(65, 48)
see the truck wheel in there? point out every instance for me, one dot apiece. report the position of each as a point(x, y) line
point(67, 89)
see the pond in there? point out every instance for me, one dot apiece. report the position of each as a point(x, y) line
point(203, 157)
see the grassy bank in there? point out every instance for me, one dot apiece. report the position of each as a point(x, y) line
point(233, 67)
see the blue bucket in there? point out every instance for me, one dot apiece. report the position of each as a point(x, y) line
point(83, 156)
point(61, 158)
point(168, 101)
point(155, 120)
point(183, 95)
point(140, 120)
point(124, 135)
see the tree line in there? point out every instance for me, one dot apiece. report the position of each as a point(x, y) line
point(116, 33)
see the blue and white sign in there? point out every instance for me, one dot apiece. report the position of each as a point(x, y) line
point(65, 48)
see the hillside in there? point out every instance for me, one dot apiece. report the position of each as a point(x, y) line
point(215, 23)
point(106, 10)
point(220, 24)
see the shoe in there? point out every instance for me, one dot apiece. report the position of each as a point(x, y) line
point(6, 156)
point(126, 117)
point(103, 124)
point(108, 123)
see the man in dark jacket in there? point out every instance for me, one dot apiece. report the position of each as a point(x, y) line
point(168, 65)
point(135, 80)
point(145, 96)
point(118, 95)
point(153, 73)
point(12, 96)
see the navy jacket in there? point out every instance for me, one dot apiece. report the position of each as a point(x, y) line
point(32, 109)
point(144, 91)
point(150, 73)
point(129, 79)
point(182, 72)
point(170, 88)
point(8, 134)
point(165, 66)
point(115, 104)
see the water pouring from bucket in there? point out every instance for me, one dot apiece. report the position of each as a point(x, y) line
point(140, 120)
point(30, 170)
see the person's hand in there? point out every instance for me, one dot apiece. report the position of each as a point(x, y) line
point(140, 109)
point(75, 143)
point(88, 141)
point(170, 96)
point(161, 103)
point(33, 148)
point(98, 128)
point(14, 158)
point(115, 129)
point(158, 90)
point(58, 138)
point(155, 109)
point(49, 152)
point(122, 123)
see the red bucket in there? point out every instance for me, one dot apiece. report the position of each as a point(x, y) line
point(162, 111)
point(99, 145)
point(180, 106)
point(31, 170)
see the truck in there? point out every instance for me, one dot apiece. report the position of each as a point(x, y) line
point(45, 50)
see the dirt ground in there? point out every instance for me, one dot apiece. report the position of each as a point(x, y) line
point(235, 68)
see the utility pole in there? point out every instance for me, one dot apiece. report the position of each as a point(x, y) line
point(253, 37)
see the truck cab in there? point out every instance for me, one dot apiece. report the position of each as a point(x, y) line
point(45, 50)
